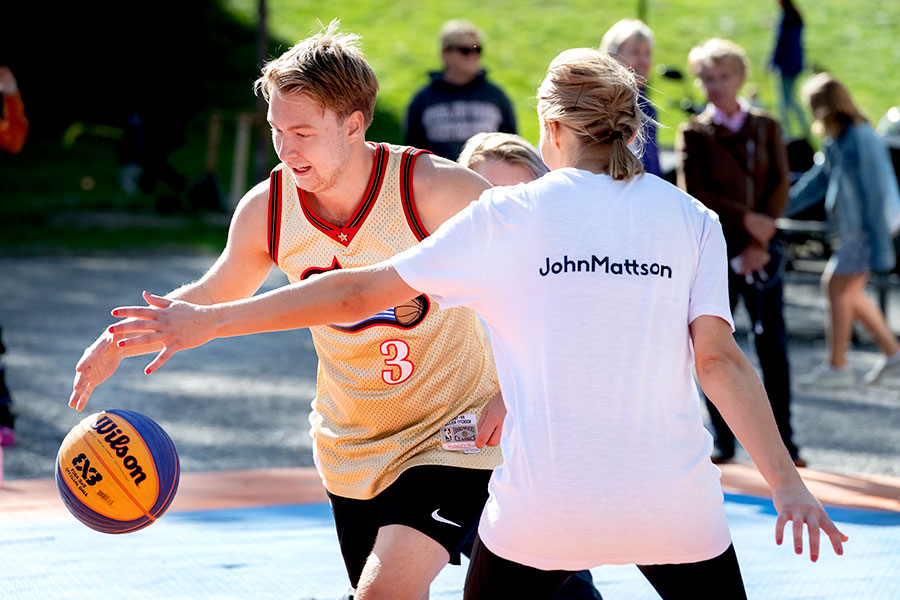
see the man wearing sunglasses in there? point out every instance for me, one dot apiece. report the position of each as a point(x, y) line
point(459, 101)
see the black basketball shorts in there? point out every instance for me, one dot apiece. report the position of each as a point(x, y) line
point(444, 503)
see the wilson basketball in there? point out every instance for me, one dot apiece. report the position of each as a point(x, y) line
point(117, 471)
point(411, 312)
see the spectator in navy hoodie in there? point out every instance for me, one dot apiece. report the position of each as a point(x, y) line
point(459, 101)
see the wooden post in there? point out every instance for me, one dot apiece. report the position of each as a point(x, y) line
point(241, 151)
point(263, 136)
point(213, 138)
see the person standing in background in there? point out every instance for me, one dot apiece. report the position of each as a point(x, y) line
point(731, 157)
point(861, 196)
point(459, 101)
point(630, 41)
point(787, 60)
point(13, 131)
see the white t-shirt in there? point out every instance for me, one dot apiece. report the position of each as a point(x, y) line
point(588, 286)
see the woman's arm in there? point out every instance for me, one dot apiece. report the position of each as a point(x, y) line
point(730, 381)
point(335, 297)
point(808, 190)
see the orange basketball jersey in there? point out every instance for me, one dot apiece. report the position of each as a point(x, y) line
point(389, 383)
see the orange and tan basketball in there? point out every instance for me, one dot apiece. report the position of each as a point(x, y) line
point(117, 471)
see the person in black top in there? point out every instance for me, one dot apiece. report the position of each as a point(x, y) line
point(459, 101)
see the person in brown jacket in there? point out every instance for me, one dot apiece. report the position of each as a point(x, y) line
point(732, 158)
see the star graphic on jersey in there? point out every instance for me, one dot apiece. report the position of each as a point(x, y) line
point(342, 236)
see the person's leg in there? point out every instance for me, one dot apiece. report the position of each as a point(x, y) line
point(784, 100)
point(871, 316)
point(356, 522)
point(840, 312)
point(580, 586)
point(718, 578)
point(491, 577)
point(401, 566)
point(421, 527)
point(771, 350)
point(792, 105)
point(7, 417)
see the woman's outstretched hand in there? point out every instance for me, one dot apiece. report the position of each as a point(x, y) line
point(796, 504)
point(175, 324)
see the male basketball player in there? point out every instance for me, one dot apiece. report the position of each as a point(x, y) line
point(396, 392)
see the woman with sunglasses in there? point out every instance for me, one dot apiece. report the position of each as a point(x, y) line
point(602, 288)
point(459, 101)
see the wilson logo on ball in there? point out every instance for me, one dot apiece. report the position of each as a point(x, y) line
point(119, 445)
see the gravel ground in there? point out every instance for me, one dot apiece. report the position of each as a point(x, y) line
point(244, 402)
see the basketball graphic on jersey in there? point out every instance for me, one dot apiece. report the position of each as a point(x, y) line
point(412, 312)
point(405, 316)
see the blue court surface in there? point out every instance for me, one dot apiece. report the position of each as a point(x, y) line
point(291, 551)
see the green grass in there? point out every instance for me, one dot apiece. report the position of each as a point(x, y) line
point(857, 41)
point(45, 189)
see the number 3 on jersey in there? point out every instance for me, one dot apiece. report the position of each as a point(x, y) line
point(397, 352)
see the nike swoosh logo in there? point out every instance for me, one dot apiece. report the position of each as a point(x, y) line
point(441, 519)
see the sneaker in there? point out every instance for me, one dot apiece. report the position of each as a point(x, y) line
point(883, 366)
point(826, 375)
point(7, 436)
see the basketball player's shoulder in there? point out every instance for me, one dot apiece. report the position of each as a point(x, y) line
point(442, 188)
point(255, 201)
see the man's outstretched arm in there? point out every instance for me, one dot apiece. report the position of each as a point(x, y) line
point(237, 273)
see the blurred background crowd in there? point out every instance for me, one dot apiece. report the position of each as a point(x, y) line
point(133, 125)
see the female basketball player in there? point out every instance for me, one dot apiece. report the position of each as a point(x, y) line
point(602, 287)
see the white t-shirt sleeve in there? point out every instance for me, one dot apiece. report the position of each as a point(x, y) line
point(451, 263)
point(709, 291)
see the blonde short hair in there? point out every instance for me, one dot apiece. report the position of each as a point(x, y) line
point(623, 31)
point(591, 93)
point(453, 32)
point(719, 52)
point(330, 68)
point(503, 147)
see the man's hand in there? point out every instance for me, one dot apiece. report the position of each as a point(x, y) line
point(795, 503)
point(174, 324)
point(753, 259)
point(760, 226)
point(490, 423)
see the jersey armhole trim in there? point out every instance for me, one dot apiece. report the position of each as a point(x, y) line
point(274, 234)
point(407, 164)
